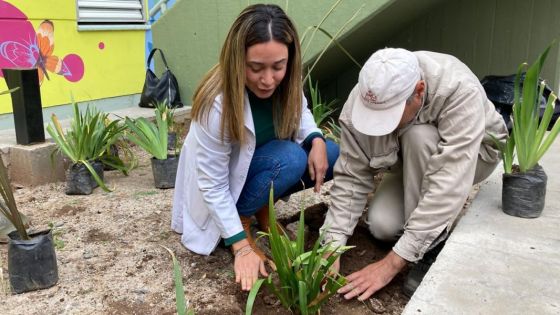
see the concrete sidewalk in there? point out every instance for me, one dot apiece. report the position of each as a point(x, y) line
point(494, 263)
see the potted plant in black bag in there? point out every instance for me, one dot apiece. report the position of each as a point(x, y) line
point(86, 143)
point(5, 224)
point(31, 257)
point(169, 113)
point(152, 137)
point(524, 184)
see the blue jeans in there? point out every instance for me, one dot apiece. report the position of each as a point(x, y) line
point(285, 164)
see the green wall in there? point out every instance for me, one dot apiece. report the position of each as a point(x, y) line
point(191, 33)
point(490, 36)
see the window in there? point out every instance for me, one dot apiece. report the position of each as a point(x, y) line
point(102, 12)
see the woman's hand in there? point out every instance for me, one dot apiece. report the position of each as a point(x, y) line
point(247, 265)
point(317, 162)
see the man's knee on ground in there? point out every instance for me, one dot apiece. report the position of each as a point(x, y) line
point(382, 229)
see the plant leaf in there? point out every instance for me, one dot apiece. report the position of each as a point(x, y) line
point(252, 295)
point(178, 280)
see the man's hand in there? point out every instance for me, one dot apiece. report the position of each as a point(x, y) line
point(373, 277)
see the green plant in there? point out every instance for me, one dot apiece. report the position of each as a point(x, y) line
point(180, 302)
point(152, 137)
point(332, 130)
point(321, 110)
point(333, 38)
point(169, 114)
point(8, 205)
point(88, 139)
point(111, 155)
point(528, 138)
point(305, 280)
point(9, 91)
point(57, 236)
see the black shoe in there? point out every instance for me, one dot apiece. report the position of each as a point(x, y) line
point(417, 272)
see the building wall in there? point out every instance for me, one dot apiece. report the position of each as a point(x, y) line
point(95, 64)
point(152, 20)
point(493, 37)
point(193, 31)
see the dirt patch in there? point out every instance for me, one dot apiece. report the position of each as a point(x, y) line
point(111, 259)
point(96, 235)
point(67, 210)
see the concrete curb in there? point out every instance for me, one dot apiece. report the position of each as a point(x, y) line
point(494, 263)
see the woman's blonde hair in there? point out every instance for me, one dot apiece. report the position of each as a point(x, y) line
point(256, 24)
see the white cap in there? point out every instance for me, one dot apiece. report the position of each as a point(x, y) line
point(386, 81)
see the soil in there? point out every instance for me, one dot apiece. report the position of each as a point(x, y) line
point(111, 259)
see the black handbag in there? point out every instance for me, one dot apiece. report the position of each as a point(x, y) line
point(499, 90)
point(159, 90)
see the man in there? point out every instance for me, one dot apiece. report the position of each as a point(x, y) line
point(424, 118)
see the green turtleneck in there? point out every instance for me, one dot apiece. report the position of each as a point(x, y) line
point(262, 119)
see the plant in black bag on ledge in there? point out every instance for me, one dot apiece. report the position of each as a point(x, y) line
point(524, 185)
point(31, 257)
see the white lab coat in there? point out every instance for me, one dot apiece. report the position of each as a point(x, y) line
point(211, 175)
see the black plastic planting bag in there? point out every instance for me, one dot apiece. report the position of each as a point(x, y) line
point(79, 180)
point(165, 171)
point(171, 140)
point(162, 89)
point(523, 194)
point(32, 263)
point(499, 90)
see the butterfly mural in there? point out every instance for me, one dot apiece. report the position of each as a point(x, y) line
point(23, 47)
point(36, 52)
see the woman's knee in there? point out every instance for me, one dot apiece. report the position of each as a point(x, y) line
point(293, 156)
point(291, 159)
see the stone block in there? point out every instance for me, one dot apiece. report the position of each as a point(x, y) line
point(32, 165)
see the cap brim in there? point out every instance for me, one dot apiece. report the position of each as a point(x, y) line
point(376, 122)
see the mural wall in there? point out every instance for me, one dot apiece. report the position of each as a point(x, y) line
point(83, 65)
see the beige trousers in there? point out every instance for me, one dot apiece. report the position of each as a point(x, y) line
point(392, 204)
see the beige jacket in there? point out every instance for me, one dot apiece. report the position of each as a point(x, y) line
point(457, 106)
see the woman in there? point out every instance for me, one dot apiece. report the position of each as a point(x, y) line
point(250, 127)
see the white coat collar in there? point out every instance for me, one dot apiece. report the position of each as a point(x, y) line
point(248, 115)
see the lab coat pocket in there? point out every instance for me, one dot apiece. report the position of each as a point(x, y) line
point(199, 212)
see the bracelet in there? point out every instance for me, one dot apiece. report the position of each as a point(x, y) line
point(243, 251)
